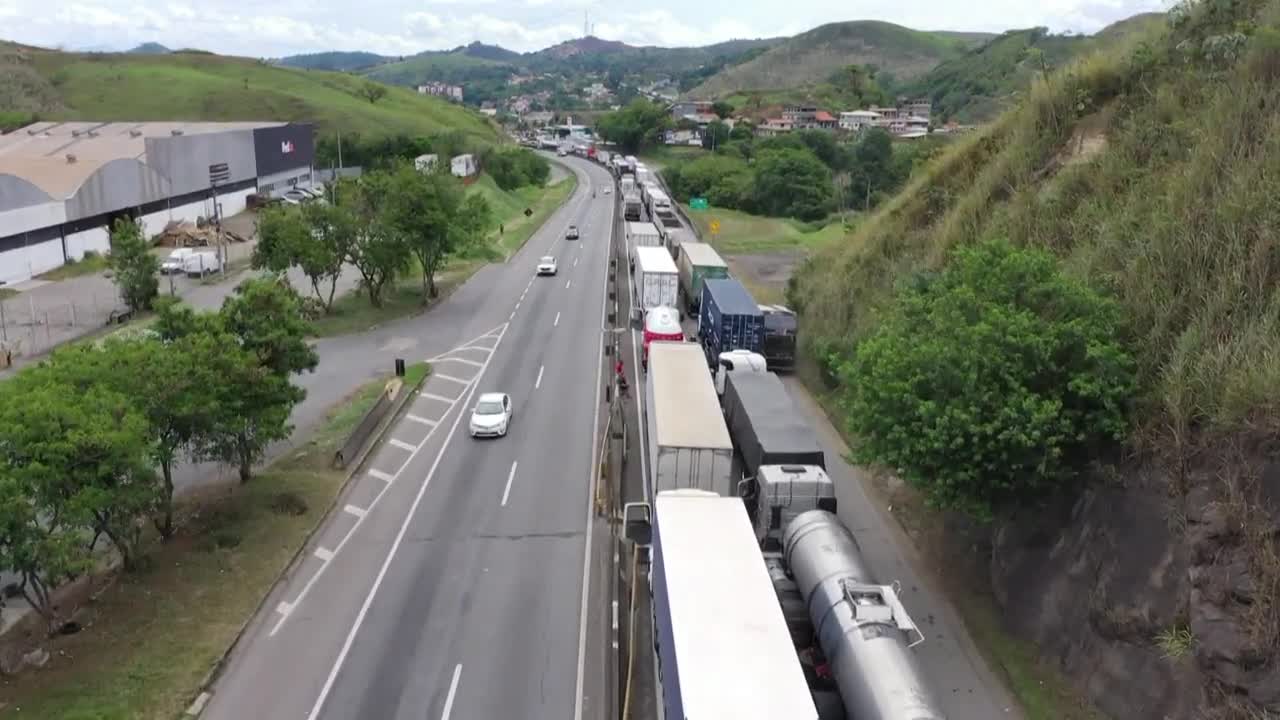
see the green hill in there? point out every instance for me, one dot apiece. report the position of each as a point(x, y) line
point(982, 82)
point(183, 86)
point(454, 66)
point(151, 48)
point(334, 60)
point(816, 54)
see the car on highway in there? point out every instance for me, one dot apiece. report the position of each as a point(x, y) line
point(491, 416)
point(547, 266)
point(571, 233)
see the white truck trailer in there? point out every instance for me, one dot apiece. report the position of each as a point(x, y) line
point(656, 282)
point(641, 234)
point(689, 444)
point(723, 647)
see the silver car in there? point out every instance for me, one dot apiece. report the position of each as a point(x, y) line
point(491, 416)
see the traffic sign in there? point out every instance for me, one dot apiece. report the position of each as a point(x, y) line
point(715, 227)
point(697, 203)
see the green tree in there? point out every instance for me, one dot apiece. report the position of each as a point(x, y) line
point(38, 543)
point(378, 252)
point(332, 232)
point(639, 124)
point(434, 217)
point(282, 232)
point(373, 92)
point(715, 136)
point(722, 109)
point(265, 315)
point(791, 182)
point(133, 265)
point(992, 382)
point(742, 131)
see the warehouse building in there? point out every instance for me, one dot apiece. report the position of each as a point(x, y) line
point(62, 185)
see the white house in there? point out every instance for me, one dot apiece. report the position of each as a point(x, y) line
point(463, 165)
point(858, 119)
point(424, 163)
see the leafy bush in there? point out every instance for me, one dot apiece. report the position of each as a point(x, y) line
point(990, 382)
point(516, 167)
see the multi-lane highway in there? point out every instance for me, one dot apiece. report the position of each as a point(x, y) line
point(457, 577)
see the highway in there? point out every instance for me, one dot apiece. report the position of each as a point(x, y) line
point(462, 578)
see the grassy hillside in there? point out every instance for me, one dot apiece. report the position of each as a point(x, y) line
point(334, 60)
point(818, 53)
point(454, 66)
point(984, 81)
point(1151, 174)
point(187, 86)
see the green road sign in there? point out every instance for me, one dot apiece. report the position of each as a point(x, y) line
point(697, 203)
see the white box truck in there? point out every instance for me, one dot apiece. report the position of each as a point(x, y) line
point(688, 444)
point(656, 282)
point(641, 234)
point(723, 647)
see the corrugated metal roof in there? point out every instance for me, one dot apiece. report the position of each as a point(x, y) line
point(688, 411)
point(38, 152)
point(726, 624)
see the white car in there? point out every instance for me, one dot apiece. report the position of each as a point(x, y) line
point(547, 266)
point(491, 416)
point(608, 190)
point(298, 195)
point(176, 263)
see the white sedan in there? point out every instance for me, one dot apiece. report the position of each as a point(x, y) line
point(547, 266)
point(491, 416)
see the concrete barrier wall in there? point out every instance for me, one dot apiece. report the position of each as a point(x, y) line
point(360, 435)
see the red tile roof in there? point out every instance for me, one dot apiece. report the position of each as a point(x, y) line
point(823, 116)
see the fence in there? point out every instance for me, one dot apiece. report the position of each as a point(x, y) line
point(34, 322)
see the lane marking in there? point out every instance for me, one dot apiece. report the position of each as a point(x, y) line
point(284, 608)
point(557, 322)
point(441, 398)
point(538, 384)
point(517, 306)
point(315, 577)
point(615, 616)
point(464, 361)
point(451, 378)
point(595, 463)
point(575, 262)
point(324, 554)
point(453, 691)
point(510, 476)
point(512, 316)
point(420, 419)
point(567, 284)
point(376, 473)
point(402, 445)
point(353, 510)
point(395, 547)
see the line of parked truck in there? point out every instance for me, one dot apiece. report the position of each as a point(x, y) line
point(762, 605)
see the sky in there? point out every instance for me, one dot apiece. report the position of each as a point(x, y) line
point(400, 27)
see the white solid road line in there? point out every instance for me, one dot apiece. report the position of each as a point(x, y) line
point(567, 284)
point(465, 361)
point(323, 553)
point(353, 510)
point(441, 398)
point(557, 322)
point(450, 378)
point(395, 546)
point(575, 262)
point(591, 472)
point(453, 691)
point(510, 476)
point(402, 445)
point(538, 384)
point(384, 477)
point(422, 420)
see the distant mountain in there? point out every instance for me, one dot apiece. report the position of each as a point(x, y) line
point(489, 52)
point(589, 45)
point(979, 84)
point(814, 55)
point(452, 66)
point(334, 60)
point(150, 48)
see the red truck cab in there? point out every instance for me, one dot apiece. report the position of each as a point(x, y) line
point(660, 323)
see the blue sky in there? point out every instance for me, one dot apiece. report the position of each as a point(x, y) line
point(397, 27)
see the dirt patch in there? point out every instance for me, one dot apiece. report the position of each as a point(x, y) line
point(765, 274)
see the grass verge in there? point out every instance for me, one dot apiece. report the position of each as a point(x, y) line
point(153, 635)
point(1042, 692)
point(742, 233)
point(660, 155)
point(353, 312)
point(511, 229)
point(6, 293)
point(88, 265)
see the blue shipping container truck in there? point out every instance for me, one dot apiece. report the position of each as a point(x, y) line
point(729, 319)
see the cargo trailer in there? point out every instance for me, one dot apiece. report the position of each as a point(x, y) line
point(688, 442)
point(728, 319)
point(697, 262)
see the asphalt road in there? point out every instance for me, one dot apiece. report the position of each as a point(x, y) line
point(452, 580)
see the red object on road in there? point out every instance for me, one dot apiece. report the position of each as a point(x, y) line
point(661, 323)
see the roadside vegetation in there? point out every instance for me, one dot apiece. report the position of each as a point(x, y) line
point(90, 264)
point(1126, 204)
point(152, 636)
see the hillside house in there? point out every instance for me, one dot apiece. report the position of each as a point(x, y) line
point(775, 126)
point(921, 108)
point(855, 120)
point(444, 90)
point(800, 116)
point(689, 107)
point(463, 166)
point(425, 163)
point(823, 120)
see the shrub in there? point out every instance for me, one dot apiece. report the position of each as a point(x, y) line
point(990, 382)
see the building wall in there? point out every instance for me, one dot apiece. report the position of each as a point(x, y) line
point(15, 223)
point(96, 239)
point(184, 160)
point(117, 185)
point(23, 262)
point(278, 149)
point(278, 183)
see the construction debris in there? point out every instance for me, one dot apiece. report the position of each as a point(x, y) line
point(179, 234)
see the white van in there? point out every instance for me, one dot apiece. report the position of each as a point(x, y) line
point(176, 262)
point(199, 264)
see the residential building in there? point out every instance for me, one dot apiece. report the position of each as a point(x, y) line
point(425, 163)
point(858, 119)
point(683, 137)
point(689, 107)
point(800, 116)
point(463, 166)
point(444, 90)
point(489, 111)
point(823, 120)
point(919, 107)
point(775, 126)
point(538, 118)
